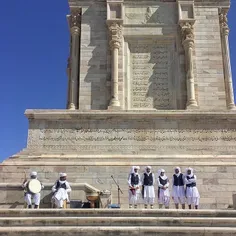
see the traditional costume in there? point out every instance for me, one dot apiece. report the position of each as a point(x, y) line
point(148, 181)
point(134, 182)
point(29, 195)
point(192, 193)
point(163, 189)
point(178, 191)
point(61, 189)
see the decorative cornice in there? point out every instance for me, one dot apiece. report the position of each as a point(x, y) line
point(180, 114)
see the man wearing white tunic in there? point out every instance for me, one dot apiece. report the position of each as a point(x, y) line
point(61, 189)
point(148, 181)
point(178, 191)
point(134, 182)
point(29, 195)
point(163, 189)
point(192, 193)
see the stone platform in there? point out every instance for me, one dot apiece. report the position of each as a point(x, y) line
point(117, 222)
point(91, 146)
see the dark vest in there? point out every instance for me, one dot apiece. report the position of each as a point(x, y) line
point(163, 182)
point(58, 185)
point(192, 184)
point(134, 179)
point(148, 179)
point(178, 180)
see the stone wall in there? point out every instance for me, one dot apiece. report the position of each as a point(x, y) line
point(209, 65)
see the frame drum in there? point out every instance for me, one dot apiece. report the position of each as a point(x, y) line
point(34, 186)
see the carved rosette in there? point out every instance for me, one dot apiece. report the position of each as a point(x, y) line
point(115, 31)
point(224, 21)
point(75, 21)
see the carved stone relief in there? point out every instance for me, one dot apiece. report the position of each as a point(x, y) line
point(150, 80)
point(138, 136)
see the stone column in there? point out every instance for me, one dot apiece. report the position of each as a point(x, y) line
point(75, 24)
point(188, 44)
point(226, 58)
point(115, 31)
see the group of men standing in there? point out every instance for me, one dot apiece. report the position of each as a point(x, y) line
point(144, 185)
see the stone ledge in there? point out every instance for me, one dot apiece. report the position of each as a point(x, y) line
point(98, 230)
point(48, 186)
point(174, 114)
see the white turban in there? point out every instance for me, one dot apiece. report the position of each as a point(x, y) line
point(177, 168)
point(148, 167)
point(63, 174)
point(191, 169)
point(164, 177)
point(33, 173)
point(133, 168)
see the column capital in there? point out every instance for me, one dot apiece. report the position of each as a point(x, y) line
point(75, 19)
point(223, 18)
point(115, 31)
point(187, 32)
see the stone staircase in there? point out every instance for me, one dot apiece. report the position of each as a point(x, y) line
point(116, 222)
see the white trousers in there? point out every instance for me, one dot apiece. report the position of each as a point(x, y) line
point(36, 198)
point(58, 203)
point(134, 198)
point(149, 195)
point(193, 201)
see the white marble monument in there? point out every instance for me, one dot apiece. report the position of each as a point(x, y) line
point(149, 83)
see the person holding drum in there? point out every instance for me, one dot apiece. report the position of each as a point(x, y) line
point(32, 189)
point(60, 191)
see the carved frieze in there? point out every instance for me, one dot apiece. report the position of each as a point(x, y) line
point(129, 136)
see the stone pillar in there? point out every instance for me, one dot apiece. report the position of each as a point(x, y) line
point(226, 58)
point(188, 44)
point(75, 24)
point(115, 31)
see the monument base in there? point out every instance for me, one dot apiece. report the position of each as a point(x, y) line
point(92, 146)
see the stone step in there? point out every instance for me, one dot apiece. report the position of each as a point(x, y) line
point(121, 231)
point(115, 213)
point(118, 221)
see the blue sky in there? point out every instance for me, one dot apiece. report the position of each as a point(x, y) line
point(33, 51)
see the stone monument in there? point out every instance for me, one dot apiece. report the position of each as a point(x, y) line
point(149, 83)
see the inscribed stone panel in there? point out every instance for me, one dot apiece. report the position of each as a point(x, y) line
point(151, 82)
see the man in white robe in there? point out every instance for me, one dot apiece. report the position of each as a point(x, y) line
point(148, 181)
point(178, 191)
point(29, 195)
point(192, 193)
point(61, 189)
point(134, 182)
point(163, 189)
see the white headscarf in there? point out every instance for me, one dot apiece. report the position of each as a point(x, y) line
point(164, 177)
point(133, 168)
point(148, 167)
point(191, 169)
point(177, 168)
